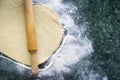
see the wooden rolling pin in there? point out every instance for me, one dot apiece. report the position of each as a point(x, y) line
point(31, 35)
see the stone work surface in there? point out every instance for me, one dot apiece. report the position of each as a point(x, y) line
point(104, 18)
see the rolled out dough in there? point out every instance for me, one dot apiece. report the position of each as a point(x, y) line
point(13, 35)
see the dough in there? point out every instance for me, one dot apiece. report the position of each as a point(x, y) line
point(13, 35)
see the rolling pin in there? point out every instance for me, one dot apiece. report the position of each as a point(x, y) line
point(31, 35)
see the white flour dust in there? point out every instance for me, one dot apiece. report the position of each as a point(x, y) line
point(74, 47)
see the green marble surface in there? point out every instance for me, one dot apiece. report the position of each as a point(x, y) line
point(104, 17)
point(104, 32)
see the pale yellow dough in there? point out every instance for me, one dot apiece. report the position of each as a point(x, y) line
point(13, 35)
